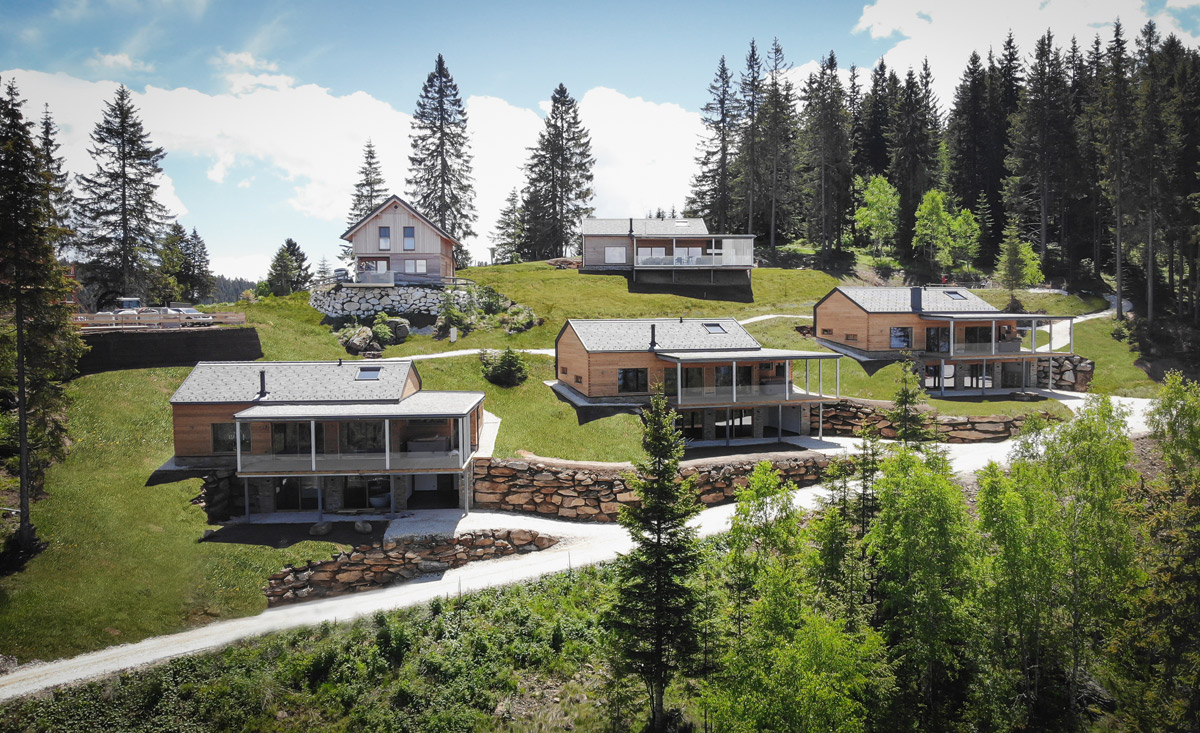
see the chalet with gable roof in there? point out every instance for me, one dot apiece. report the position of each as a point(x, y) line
point(396, 243)
point(961, 341)
point(721, 381)
point(330, 438)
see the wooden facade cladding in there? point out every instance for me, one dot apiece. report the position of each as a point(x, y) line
point(429, 244)
point(193, 428)
point(574, 359)
point(593, 251)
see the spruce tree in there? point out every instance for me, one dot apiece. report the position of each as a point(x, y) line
point(712, 192)
point(1116, 136)
point(301, 275)
point(1017, 266)
point(873, 157)
point(559, 185)
point(826, 155)
point(748, 170)
point(171, 254)
point(58, 202)
point(440, 183)
point(913, 153)
point(324, 271)
point(967, 138)
point(780, 147)
point(122, 219)
point(282, 273)
point(653, 617)
point(506, 236)
point(1152, 158)
point(369, 193)
point(41, 351)
point(197, 282)
point(910, 423)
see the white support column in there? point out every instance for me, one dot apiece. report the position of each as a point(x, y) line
point(779, 424)
point(821, 420)
point(787, 385)
point(246, 495)
point(463, 430)
point(942, 377)
point(1024, 373)
point(821, 377)
point(983, 378)
point(1071, 334)
point(312, 443)
point(728, 417)
point(679, 382)
point(952, 339)
point(387, 445)
point(993, 337)
point(735, 381)
point(237, 442)
point(837, 386)
point(806, 362)
point(1050, 343)
point(1033, 332)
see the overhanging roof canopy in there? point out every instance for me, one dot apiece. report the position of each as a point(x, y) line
point(992, 316)
point(687, 357)
point(426, 403)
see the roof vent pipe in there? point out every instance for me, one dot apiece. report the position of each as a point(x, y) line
point(653, 343)
point(339, 362)
point(262, 383)
point(631, 226)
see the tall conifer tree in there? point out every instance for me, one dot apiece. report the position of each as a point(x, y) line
point(712, 193)
point(1117, 135)
point(440, 182)
point(559, 186)
point(913, 154)
point(58, 202)
point(369, 193)
point(121, 215)
point(826, 155)
point(750, 88)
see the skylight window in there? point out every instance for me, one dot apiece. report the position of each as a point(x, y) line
point(714, 328)
point(368, 374)
point(955, 295)
point(681, 222)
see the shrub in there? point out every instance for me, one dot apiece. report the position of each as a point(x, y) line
point(519, 318)
point(503, 368)
point(381, 330)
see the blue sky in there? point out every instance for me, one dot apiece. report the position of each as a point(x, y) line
point(263, 107)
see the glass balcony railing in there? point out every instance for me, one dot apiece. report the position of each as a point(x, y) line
point(350, 462)
point(745, 393)
point(732, 253)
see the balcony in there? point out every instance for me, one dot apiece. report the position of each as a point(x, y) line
point(722, 253)
point(744, 393)
point(366, 462)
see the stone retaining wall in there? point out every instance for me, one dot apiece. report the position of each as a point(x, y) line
point(847, 417)
point(338, 300)
point(1070, 372)
point(378, 564)
point(594, 492)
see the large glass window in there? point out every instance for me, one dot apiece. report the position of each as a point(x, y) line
point(385, 238)
point(937, 340)
point(977, 334)
point(410, 239)
point(614, 255)
point(361, 437)
point(416, 267)
point(901, 337)
point(632, 380)
point(724, 376)
point(224, 435)
point(670, 381)
point(295, 438)
point(693, 377)
point(745, 375)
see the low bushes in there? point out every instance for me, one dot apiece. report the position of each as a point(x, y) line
point(503, 368)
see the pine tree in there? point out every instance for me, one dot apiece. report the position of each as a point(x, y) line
point(440, 183)
point(748, 162)
point(967, 138)
point(910, 423)
point(197, 282)
point(122, 219)
point(1017, 266)
point(369, 193)
point(559, 184)
point(653, 616)
point(826, 156)
point(1153, 159)
point(301, 276)
point(872, 157)
point(282, 273)
point(507, 234)
point(324, 271)
point(913, 153)
point(1041, 144)
point(780, 148)
point(1116, 135)
point(40, 353)
point(59, 201)
point(712, 193)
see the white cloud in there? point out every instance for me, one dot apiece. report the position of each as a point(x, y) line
point(500, 136)
point(245, 183)
point(244, 60)
point(947, 31)
point(242, 82)
point(119, 62)
point(644, 152)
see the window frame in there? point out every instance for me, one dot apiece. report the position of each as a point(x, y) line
point(895, 331)
point(640, 378)
point(418, 267)
point(609, 253)
point(247, 440)
point(385, 239)
point(410, 239)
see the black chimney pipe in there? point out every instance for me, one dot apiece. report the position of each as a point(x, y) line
point(653, 343)
point(262, 383)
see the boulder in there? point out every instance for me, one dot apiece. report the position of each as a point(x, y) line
point(362, 527)
point(320, 529)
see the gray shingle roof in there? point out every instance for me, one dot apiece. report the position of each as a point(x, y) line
point(292, 381)
point(917, 299)
point(670, 334)
point(422, 404)
point(644, 227)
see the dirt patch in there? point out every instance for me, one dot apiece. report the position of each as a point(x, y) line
point(1147, 458)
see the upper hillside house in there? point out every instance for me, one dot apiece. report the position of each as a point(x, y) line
point(395, 242)
point(667, 251)
point(961, 341)
point(343, 437)
point(723, 384)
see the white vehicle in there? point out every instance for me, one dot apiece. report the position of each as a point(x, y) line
point(193, 317)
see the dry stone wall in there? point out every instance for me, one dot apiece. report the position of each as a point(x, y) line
point(384, 562)
point(1070, 372)
point(847, 417)
point(338, 300)
point(594, 492)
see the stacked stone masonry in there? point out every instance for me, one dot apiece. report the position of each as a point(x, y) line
point(847, 417)
point(384, 562)
point(594, 492)
point(1070, 372)
point(339, 301)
